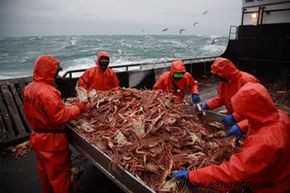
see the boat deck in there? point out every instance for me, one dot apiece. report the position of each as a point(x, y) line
point(21, 175)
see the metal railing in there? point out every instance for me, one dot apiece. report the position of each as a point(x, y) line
point(144, 66)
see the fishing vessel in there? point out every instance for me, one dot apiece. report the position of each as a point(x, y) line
point(259, 45)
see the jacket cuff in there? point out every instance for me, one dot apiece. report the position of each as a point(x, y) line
point(194, 89)
point(192, 176)
point(210, 105)
point(236, 117)
point(244, 126)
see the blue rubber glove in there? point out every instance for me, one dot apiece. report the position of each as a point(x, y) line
point(228, 120)
point(180, 174)
point(235, 130)
point(204, 106)
point(195, 98)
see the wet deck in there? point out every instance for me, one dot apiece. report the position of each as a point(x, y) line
point(21, 176)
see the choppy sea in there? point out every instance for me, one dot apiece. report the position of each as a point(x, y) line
point(17, 54)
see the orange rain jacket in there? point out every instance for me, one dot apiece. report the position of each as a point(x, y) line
point(226, 89)
point(177, 87)
point(44, 109)
point(265, 156)
point(95, 78)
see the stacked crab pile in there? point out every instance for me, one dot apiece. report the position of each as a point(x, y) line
point(150, 134)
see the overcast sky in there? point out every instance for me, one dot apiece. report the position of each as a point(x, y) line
point(74, 17)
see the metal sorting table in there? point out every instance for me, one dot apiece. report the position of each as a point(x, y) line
point(124, 179)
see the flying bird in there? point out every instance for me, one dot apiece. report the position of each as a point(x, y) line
point(181, 30)
point(195, 23)
point(204, 12)
point(165, 29)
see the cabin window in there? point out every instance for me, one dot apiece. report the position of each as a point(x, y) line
point(249, 0)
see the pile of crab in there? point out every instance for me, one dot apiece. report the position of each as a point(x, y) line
point(150, 134)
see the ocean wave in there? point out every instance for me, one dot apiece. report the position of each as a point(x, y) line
point(175, 43)
point(214, 48)
point(11, 75)
point(23, 59)
point(75, 52)
point(81, 63)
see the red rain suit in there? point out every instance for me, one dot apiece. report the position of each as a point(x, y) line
point(45, 110)
point(95, 78)
point(226, 89)
point(177, 87)
point(265, 156)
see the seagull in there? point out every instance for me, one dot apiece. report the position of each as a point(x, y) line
point(165, 29)
point(181, 30)
point(204, 12)
point(142, 30)
point(195, 23)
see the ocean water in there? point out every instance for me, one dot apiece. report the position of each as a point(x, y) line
point(17, 54)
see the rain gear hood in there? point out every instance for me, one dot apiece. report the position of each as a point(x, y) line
point(45, 69)
point(224, 68)
point(177, 66)
point(259, 112)
point(102, 54)
point(177, 69)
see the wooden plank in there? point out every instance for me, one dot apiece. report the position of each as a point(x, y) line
point(6, 119)
point(12, 109)
point(15, 80)
point(19, 106)
point(14, 141)
point(3, 134)
point(21, 88)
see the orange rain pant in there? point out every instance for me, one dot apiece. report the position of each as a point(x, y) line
point(54, 170)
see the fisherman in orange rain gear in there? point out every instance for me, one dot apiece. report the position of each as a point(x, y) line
point(46, 114)
point(231, 80)
point(99, 77)
point(177, 80)
point(265, 155)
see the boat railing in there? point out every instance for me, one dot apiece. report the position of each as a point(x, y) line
point(13, 123)
point(144, 66)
